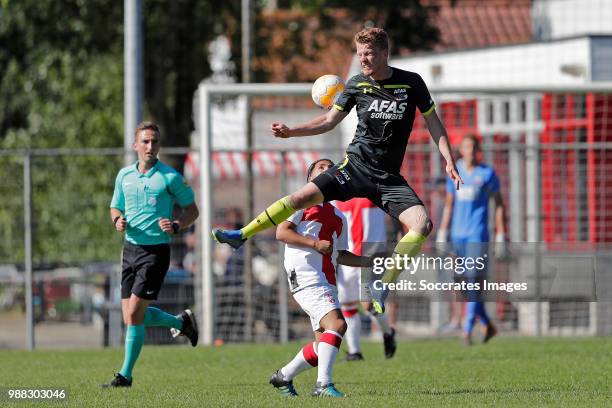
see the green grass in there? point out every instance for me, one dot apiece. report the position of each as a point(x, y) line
point(506, 372)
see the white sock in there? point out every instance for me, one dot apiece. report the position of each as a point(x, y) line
point(353, 331)
point(382, 321)
point(329, 343)
point(303, 360)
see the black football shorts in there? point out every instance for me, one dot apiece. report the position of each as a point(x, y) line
point(144, 268)
point(348, 180)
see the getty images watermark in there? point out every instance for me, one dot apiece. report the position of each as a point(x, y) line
point(473, 269)
point(523, 272)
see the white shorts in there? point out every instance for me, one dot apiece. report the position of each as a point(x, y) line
point(348, 280)
point(317, 301)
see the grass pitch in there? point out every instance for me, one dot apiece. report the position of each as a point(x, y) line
point(506, 372)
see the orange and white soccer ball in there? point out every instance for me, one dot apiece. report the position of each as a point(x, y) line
point(326, 90)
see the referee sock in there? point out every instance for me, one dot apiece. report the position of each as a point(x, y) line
point(409, 245)
point(158, 318)
point(134, 338)
point(271, 216)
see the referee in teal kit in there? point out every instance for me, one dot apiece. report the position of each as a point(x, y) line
point(142, 204)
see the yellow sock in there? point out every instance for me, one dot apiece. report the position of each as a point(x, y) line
point(271, 216)
point(409, 245)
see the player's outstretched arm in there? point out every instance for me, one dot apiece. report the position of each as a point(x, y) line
point(285, 232)
point(439, 135)
point(350, 259)
point(320, 124)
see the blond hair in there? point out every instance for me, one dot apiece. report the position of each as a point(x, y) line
point(373, 36)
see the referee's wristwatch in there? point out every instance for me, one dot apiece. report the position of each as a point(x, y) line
point(175, 227)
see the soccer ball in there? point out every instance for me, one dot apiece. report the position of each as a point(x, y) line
point(326, 90)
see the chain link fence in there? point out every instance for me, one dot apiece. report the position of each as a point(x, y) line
point(69, 251)
point(551, 151)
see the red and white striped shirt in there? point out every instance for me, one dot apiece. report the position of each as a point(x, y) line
point(307, 266)
point(367, 223)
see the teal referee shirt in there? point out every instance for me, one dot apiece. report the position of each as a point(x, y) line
point(145, 198)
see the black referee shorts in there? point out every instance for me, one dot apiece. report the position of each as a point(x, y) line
point(347, 180)
point(144, 268)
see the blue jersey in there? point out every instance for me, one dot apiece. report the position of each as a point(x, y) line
point(145, 198)
point(471, 204)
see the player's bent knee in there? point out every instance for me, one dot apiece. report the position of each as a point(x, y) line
point(298, 200)
point(306, 196)
point(134, 314)
point(340, 327)
point(132, 317)
point(424, 225)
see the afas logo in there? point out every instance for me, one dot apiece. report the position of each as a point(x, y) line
point(387, 106)
point(386, 110)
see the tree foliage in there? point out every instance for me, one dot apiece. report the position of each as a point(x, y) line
point(304, 38)
point(61, 85)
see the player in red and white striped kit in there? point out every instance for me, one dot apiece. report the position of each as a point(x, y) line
point(316, 241)
point(367, 226)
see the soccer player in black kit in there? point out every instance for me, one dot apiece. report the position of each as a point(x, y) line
point(386, 99)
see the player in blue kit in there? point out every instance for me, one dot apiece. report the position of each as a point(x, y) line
point(467, 212)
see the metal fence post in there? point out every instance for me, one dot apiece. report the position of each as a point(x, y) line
point(516, 175)
point(27, 221)
point(133, 78)
point(283, 307)
point(533, 175)
point(115, 318)
point(249, 248)
point(207, 319)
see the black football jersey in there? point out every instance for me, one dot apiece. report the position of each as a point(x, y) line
point(385, 111)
